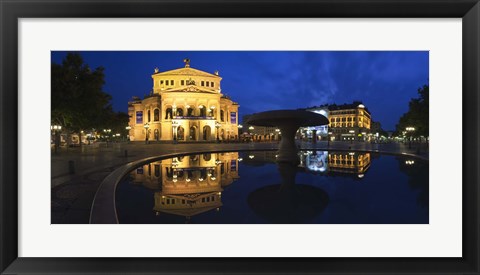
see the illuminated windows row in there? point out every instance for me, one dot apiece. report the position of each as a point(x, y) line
point(187, 82)
point(208, 199)
point(207, 83)
point(167, 82)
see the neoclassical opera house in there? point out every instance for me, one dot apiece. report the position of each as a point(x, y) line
point(185, 104)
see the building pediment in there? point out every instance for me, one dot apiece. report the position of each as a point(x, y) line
point(191, 88)
point(186, 72)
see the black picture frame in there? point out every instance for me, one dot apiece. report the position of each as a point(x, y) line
point(11, 11)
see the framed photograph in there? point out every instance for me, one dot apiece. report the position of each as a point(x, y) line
point(239, 137)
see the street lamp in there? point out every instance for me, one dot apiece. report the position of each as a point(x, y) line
point(250, 131)
point(56, 129)
point(217, 125)
point(410, 131)
point(146, 126)
point(240, 126)
point(128, 128)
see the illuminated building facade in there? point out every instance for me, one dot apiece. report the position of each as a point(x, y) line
point(185, 104)
point(349, 122)
point(188, 185)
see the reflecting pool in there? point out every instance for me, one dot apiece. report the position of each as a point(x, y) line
point(252, 188)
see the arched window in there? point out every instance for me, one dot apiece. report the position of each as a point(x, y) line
point(179, 112)
point(168, 113)
point(192, 133)
point(190, 112)
point(156, 115)
point(180, 133)
point(207, 157)
point(203, 110)
point(169, 173)
point(206, 132)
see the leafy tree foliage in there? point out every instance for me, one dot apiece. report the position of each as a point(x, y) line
point(417, 115)
point(78, 101)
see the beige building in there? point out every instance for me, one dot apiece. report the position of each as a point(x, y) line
point(188, 185)
point(349, 122)
point(186, 104)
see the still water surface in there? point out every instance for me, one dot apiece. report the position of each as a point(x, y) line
point(251, 188)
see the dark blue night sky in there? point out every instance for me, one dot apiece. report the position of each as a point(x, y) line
point(267, 80)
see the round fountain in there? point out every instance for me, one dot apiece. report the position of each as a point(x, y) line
point(288, 121)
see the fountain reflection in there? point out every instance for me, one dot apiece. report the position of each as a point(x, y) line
point(288, 202)
point(188, 185)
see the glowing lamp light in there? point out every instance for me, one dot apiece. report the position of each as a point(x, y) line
point(409, 162)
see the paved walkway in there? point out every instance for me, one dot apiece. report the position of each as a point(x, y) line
point(72, 194)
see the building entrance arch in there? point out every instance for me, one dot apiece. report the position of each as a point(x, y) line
point(180, 133)
point(207, 132)
point(156, 134)
point(193, 133)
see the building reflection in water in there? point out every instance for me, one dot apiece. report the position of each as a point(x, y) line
point(188, 185)
point(323, 162)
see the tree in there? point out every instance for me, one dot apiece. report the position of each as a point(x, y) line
point(78, 101)
point(417, 115)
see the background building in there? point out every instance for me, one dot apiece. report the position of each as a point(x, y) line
point(315, 132)
point(349, 121)
point(185, 104)
point(259, 133)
